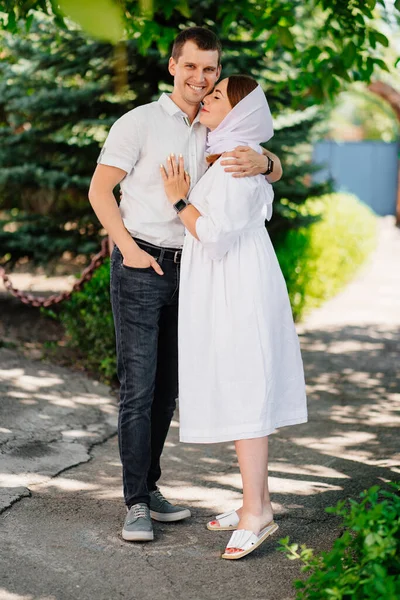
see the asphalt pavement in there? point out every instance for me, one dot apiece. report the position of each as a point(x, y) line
point(60, 478)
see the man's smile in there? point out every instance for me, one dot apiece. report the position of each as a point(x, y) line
point(197, 88)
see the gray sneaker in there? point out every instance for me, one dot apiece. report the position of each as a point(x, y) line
point(164, 511)
point(138, 526)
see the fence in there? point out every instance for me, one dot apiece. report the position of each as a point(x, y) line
point(368, 169)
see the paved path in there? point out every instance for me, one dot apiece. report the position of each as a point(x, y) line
point(62, 542)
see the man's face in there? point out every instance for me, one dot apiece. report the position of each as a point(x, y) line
point(195, 73)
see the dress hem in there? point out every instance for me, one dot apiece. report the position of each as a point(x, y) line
point(231, 437)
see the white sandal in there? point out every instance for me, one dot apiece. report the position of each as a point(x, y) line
point(245, 541)
point(227, 522)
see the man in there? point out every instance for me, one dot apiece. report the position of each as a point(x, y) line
point(145, 263)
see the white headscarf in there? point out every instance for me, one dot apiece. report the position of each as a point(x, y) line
point(248, 124)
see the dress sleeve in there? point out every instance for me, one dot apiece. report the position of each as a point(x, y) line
point(234, 205)
point(122, 146)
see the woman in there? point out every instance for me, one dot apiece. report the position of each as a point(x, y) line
point(240, 368)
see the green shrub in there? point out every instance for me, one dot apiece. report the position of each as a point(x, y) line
point(89, 324)
point(318, 260)
point(364, 562)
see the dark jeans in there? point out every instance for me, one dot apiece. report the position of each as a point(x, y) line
point(145, 309)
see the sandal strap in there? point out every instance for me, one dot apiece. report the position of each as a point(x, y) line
point(228, 519)
point(242, 539)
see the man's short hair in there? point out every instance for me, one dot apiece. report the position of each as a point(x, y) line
point(205, 39)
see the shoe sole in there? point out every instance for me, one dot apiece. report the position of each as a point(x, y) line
point(170, 517)
point(238, 555)
point(227, 528)
point(137, 536)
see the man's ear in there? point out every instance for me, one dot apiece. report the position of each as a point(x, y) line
point(219, 72)
point(172, 66)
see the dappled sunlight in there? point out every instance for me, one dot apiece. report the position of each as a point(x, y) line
point(30, 383)
point(276, 484)
point(76, 433)
point(386, 413)
point(67, 485)
point(307, 470)
point(13, 480)
point(300, 487)
point(17, 394)
point(199, 496)
point(49, 421)
point(341, 444)
point(6, 595)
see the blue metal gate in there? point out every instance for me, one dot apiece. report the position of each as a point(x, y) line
point(368, 169)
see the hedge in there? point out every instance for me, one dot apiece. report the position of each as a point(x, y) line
point(317, 261)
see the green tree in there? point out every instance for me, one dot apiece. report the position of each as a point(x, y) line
point(339, 38)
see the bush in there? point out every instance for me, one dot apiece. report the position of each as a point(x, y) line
point(89, 324)
point(318, 260)
point(364, 562)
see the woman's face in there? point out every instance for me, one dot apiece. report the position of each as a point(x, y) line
point(216, 106)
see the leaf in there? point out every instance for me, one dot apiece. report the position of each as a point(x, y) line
point(12, 22)
point(286, 37)
point(314, 52)
point(380, 63)
point(100, 18)
point(381, 39)
point(28, 23)
point(349, 54)
point(371, 4)
point(397, 4)
point(147, 8)
point(183, 7)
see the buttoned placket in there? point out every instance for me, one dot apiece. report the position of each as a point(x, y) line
point(192, 168)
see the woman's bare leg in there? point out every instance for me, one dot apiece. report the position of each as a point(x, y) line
point(256, 511)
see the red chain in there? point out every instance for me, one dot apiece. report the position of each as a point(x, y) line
point(38, 301)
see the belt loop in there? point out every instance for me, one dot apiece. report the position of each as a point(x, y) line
point(160, 258)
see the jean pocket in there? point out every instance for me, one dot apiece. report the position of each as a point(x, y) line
point(137, 269)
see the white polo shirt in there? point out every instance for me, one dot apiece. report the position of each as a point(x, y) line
point(138, 143)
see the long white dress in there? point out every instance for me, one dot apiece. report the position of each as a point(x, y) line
point(240, 367)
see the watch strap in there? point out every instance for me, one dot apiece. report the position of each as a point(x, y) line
point(270, 166)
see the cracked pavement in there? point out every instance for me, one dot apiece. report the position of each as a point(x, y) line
point(59, 457)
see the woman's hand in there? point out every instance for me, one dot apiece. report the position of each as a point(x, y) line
point(176, 179)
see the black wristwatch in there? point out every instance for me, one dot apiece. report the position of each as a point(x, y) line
point(180, 205)
point(270, 167)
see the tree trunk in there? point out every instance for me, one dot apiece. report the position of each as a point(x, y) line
point(392, 96)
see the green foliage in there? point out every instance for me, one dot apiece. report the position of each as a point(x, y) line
point(57, 103)
point(89, 325)
point(41, 238)
point(317, 261)
point(102, 19)
point(364, 563)
point(54, 113)
point(339, 39)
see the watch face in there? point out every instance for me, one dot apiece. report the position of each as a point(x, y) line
point(180, 205)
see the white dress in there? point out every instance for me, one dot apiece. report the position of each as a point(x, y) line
point(240, 369)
